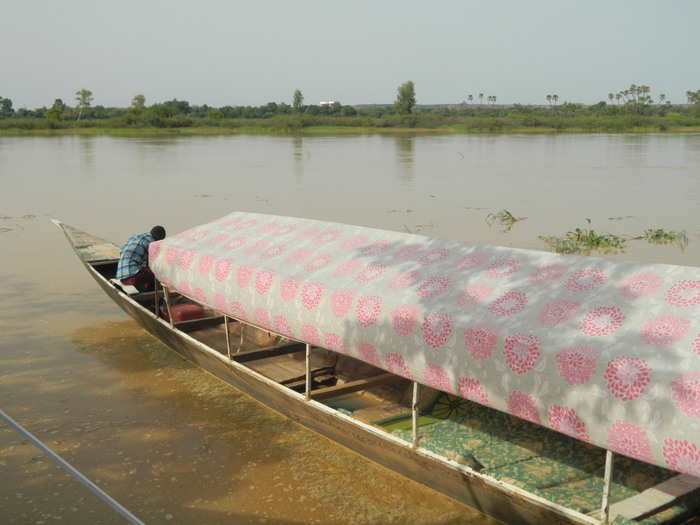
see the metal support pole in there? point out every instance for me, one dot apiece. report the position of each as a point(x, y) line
point(607, 481)
point(308, 372)
point(414, 416)
point(228, 337)
point(166, 296)
point(72, 470)
point(240, 339)
point(155, 296)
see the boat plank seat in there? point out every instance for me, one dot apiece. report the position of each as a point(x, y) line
point(656, 498)
point(268, 351)
point(354, 386)
point(197, 324)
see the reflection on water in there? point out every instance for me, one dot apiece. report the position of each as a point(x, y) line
point(139, 420)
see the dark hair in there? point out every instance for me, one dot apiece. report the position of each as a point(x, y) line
point(158, 233)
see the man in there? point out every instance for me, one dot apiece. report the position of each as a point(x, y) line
point(133, 260)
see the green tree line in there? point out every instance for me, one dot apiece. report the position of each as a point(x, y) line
point(634, 107)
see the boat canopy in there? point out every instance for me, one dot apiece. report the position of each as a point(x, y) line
point(605, 351)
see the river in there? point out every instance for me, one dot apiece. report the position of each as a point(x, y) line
point(170, 442)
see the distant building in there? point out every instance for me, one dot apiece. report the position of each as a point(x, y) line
point(328, 103)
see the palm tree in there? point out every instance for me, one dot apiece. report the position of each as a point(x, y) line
point(611, 97)
point(549, 99)
point(618, 97)
point(470, 98)
point(555, 98)
point(662, 97)
point(481, 98)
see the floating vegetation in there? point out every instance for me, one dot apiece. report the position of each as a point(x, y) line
point(5, 230)
point(505, 218)
point(418, 228)
point(661, 236)
point(621, 218)
point(584, 241)
point(407, 210)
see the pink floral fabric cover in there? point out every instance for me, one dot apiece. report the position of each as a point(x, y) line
point(603, 350)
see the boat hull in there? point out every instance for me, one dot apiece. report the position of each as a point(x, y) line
point(488, 496)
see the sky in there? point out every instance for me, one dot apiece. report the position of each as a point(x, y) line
point(231, 52)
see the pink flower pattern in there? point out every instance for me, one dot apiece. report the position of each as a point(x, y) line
point(547, 274)
point(288, 288)
point(564, 419)
point(437, 329)
point(434, 256)
point(523, 406)
point(576, 364)
point(298, 255)
point(686, 393)
point(696, 344)
point(481, 340)
point(186, 258)
point(222, 269)
point(682, 456)
point(318, 262)
point(410, 251)
point(153, 250)
point(664, 330)
point(281, 326)
point(220, 302)
point(171, 254)
point(558, 312)
point(237, 311)
point(334, 343)
point(371, 272)
point(368, 309)
point(629, 440)
point(368, 353)
point(684, 293)
point(376, 248)
point(348, 267)
point(235, 243)
point(627, 377)
point(199, 295)
point(472, 389)
point(640, 285)
point(273, 251)
point(263, 281)
point(309, 334)
point(354, 242)
point(204, 264)
point(261, 317)
point(474, 294)
point(585, 280)
point(521, 352)
point(502, 267)
point(508, 304)
point(433, 286)
point(404, 280)
point(471, 261)
point(403, 319)
point(396, 365)
point(327, 237)
point(311, 294)
point(436, 377)
point(602, 320)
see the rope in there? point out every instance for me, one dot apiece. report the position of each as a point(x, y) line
point(72, 471)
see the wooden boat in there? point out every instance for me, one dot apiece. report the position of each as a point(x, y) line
point(380, 411)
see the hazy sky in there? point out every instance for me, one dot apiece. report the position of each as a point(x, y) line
point(255, 51)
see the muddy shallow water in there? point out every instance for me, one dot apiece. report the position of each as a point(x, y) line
point(175, 445)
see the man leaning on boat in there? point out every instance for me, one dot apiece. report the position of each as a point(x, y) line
point(133, 260)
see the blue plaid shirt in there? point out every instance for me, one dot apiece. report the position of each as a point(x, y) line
point(134, 255)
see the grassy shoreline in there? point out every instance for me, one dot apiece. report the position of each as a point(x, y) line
point(335, 130)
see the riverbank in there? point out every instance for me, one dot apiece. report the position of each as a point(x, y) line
point(331, 130)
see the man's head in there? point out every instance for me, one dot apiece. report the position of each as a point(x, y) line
point(158, 233)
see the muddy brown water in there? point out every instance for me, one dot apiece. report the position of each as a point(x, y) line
point(175, 445)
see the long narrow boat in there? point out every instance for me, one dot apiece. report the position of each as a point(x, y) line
point(531, 386)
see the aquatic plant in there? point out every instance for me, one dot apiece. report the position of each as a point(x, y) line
point(661, 236)
point(584, 241)
point(505, 218)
